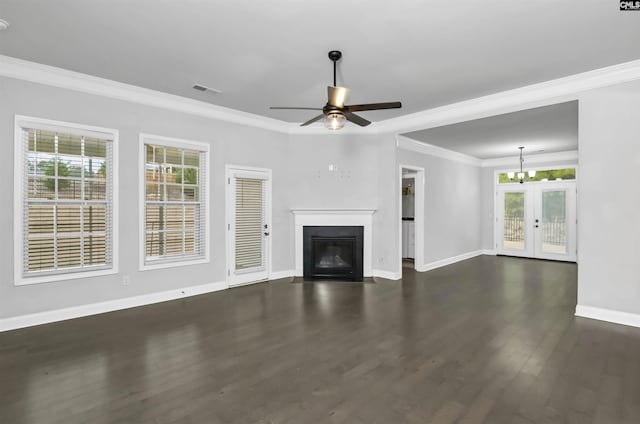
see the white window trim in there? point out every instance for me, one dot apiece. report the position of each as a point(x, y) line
point(183, 144)
point(21, 122)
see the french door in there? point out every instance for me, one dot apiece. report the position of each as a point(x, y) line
point(537, 220)
point(248, 225)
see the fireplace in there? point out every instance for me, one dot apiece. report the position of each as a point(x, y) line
point(333, 252)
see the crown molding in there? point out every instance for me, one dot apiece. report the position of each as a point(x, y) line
point(11, 67)
point(570, 156)
point(542, 94)
point(406, 143)
point(535, 95)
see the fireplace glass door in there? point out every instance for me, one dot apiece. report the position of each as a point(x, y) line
point(333, 255)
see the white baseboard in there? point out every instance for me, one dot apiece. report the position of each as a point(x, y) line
point(449, 261)
point(46, 317)
point(282, 274)
point(490, 252)
point(617, 317)
point(389, 275)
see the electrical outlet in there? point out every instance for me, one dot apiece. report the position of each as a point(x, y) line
point(126, 280)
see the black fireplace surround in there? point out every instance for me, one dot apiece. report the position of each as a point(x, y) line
point(333, 252)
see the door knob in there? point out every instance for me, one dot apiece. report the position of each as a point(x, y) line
point(266, 234)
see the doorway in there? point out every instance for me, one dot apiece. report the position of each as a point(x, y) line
point(537, 220)
point(248, 225)
point(411, 221)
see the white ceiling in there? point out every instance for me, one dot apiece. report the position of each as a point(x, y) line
point(551, 128)
point(425, 54)
point(263, 53)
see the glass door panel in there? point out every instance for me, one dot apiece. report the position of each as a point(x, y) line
point(554, 222)
point(513, 221)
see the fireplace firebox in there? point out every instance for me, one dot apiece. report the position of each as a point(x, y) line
point(333, 252)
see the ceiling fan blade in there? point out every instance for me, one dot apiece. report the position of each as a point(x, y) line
point(337, 96)
point(359, 120)
point(295, 108)
point(312, 120)
point(373, 106)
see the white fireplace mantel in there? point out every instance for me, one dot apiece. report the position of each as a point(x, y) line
point(335, 217)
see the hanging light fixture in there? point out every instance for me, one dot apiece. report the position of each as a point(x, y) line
point(334, 120)
point(530, 174)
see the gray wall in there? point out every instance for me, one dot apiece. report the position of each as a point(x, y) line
point(229, 144)
point(608, 199)
point(452, 205)
point(301, 179)
point(364, 179)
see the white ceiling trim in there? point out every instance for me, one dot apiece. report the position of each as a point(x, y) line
point(527, 97)
point(406, 143)
point(535, 95)
point(57, 77)
point(570, 156)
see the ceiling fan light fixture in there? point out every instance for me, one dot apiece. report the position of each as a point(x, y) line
point(334, 120)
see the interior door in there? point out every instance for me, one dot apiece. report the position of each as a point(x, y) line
point(248, 225)
point(537, 220)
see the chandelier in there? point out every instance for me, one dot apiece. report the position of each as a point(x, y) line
point(520, 175)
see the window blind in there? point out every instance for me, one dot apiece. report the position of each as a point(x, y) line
point(175, 201)
point(250, 221)
point(67, 202)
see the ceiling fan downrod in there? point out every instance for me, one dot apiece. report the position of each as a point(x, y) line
point(335, 56)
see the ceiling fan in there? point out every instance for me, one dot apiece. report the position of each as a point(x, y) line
point(335, 112)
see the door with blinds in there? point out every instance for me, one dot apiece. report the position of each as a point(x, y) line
point(248, 225)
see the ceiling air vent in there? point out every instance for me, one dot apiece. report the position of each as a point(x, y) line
point(201, 87)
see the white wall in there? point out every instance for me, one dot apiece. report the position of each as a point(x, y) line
point(230, 143)
point(452, 205)
point(609, 200)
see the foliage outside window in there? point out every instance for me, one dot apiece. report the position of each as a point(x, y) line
point(174, 203)
point(544, 175)
point(67, 202)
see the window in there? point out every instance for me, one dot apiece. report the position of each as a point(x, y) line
point(564, 174)
point(64, 201)
point(174, 214)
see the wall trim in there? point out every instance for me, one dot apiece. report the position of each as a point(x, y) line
point(62, 78)
point(609, 315)
point(407, 143)
point(289, 273)
point(389, 275)
point(449, 261)
point(63, 314)
point(490, 252)
point(526, 97)
point(541, 94)
point(542, 158)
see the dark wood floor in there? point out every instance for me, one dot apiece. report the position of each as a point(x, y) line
point(488, 340)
